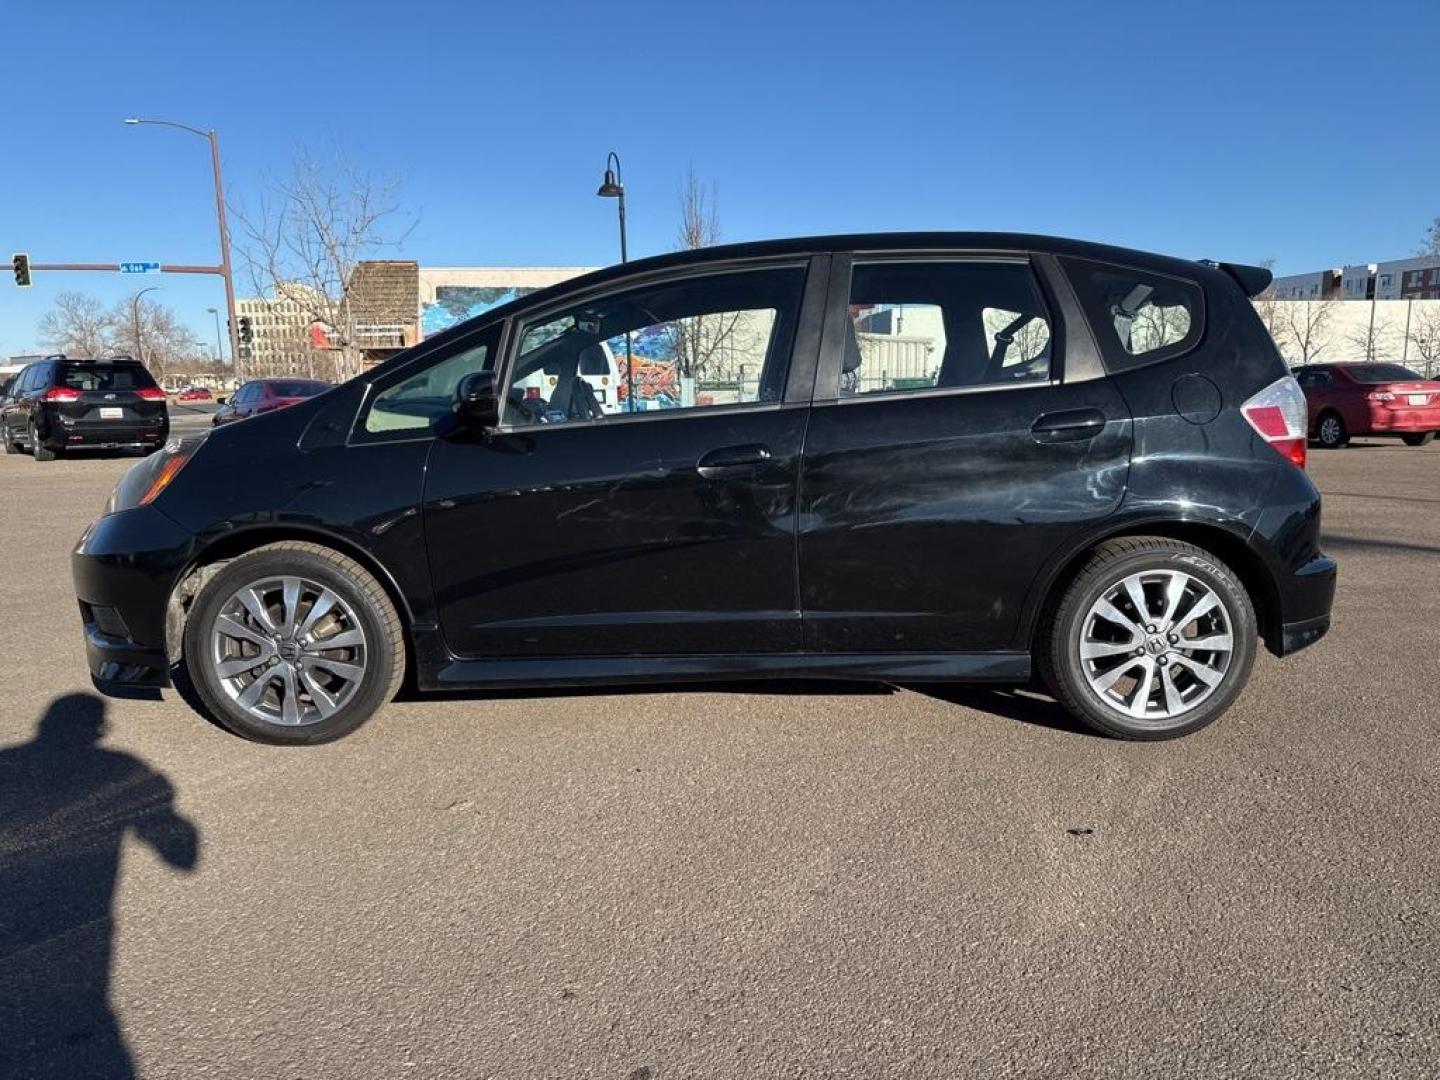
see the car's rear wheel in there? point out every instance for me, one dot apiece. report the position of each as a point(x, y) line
point(1330, 431)
point(38, 449)
point(1417, 439)
point(1153, 639)
point(11, 446)
point(293, 643)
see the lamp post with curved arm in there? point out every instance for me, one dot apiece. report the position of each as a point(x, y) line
point(225, 271)
point(135, 317)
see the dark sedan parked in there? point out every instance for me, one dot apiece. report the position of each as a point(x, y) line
point(59, 404)
point(899, 458)
point(266, 395)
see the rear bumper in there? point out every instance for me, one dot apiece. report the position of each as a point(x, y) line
point(125, 568)
point(60, 435)
point(1404, 421)
point(1306, 601)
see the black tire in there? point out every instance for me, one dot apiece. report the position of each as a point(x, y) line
point(1418, 439)
point(1059, 643)
point(1330, 431)
point(11, 446)
point(384, 662)
point(38, 449)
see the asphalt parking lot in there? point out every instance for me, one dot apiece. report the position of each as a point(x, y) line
point(763, 882)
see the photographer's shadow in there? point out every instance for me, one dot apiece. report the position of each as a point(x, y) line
point(66, 804)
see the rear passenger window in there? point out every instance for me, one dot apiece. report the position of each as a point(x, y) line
point(1138, 317)
point(937, 325)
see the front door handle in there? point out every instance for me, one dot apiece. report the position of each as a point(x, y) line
point(1069, 426)
point(732, 460)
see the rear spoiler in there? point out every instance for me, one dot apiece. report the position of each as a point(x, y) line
point(1253, 279)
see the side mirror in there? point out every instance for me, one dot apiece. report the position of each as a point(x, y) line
point(476, 405)
point(221, 400)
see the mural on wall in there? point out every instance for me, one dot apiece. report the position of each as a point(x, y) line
point(456, 303)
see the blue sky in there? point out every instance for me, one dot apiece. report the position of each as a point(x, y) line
point(1303, 132)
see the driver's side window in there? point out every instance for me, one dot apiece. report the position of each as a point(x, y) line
point(706, 341)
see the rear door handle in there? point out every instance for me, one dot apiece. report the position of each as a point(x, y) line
point(732, 460)
point(1069, 426)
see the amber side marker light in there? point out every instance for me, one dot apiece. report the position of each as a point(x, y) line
point(161, 480)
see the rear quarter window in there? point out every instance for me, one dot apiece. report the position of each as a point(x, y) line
point(1138, 317)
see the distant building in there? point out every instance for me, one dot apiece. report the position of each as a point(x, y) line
point(280, 336)
point(452, 294)
point(1416, 278)
point(394, 303)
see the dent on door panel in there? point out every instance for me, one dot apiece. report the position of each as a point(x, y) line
point(925, 519)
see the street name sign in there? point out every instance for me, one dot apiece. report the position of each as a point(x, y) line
point(139, 267)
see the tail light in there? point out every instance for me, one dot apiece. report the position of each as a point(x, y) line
point(1278, 416)
point(1380, 395)
point(61, 393)
point(151, 393)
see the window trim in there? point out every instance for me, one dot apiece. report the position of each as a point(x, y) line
point(1079, 270)
point(517, 323)
point(831, 358)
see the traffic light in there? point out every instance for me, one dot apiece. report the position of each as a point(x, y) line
point(20, 262)
point(246, 334)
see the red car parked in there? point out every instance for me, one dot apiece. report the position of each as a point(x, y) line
point(1369, 399)
point(194, 393)
point(266, 395)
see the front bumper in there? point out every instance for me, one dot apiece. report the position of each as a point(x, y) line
point(125, 568)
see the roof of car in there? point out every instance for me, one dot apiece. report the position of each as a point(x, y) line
point(896, 242)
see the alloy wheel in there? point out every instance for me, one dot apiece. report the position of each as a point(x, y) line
point(1330, 430)
point(288, 650)
point(1156, 644)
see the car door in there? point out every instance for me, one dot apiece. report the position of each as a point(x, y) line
point(961, 435)
point(660, 523)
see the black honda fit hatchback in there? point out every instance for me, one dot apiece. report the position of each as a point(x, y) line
point(902, 458)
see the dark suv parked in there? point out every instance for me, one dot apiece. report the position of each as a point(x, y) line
point(57, 404)
point(900, 458)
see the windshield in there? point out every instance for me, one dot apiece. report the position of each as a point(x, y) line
point(297, 389)
point(104, 377)
point(1378, 373)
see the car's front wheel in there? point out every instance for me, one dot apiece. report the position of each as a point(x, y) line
point(1330, 431)
point(293, 643)
point(1153, 639)
point(1417, 439)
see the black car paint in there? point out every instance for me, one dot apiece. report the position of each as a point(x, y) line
point(547, 549)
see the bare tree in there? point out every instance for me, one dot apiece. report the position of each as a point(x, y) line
point(1425, 334)
point(706, 346)
point(1431, 246)
point(78, 325)
point(1371, 338)
point(309, 232)
point(1305, 328)
point(163, 342)
point(1267, 304)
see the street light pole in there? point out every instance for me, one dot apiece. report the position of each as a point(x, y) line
point(135, 316)
point(225, 268)
point(219, 349)
point(613, 187)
